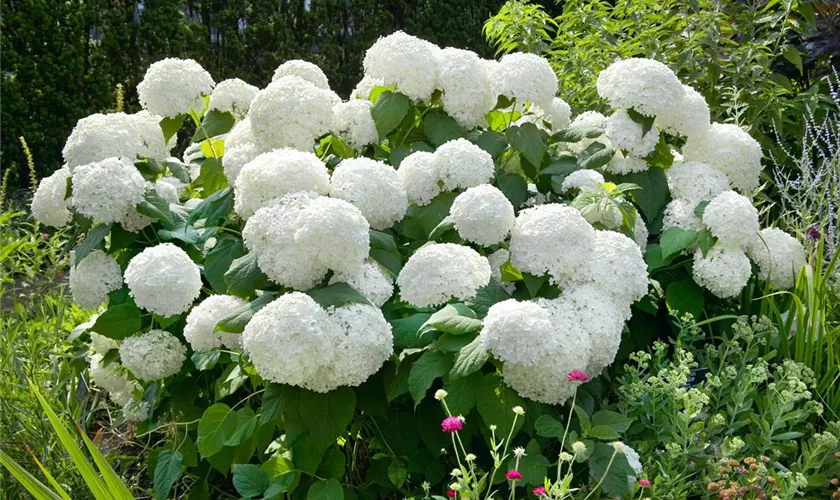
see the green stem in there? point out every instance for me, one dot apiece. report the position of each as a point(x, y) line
point(612, 458)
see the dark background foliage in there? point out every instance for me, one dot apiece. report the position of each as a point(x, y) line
point(62, 59)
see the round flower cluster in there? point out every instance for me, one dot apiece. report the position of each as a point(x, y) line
point(373, 187)
point(779, 256)
point(583, 178)
point(92, 279)
point(172, 87)
point(526, 322)
point(239, 150)
point(98, 137)
point(690, 117)
point(647, 86)
point(108, 376)
point(49, 204)
point(406, 62)
point(200, 330)
point(627, 135)
point(293, 340)
point(107, 191)
point(460, 164)
point(233, 96)
point(695, 181)
point(732, 219)
point(369, 279)
point(437, 272)
point(163, 280)
point(727, 148)
point(419, 177)
point(302, 69)
point(482, 215)
point(723, 271)
point(465, 82)
point(524, 77)
point(153, 355)
point(353, 122)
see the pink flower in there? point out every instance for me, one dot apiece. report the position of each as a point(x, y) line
point(644, 483)
point(451, 493)
point(45, 236)
point(540, 491)
point(578, 376)
point(451, 424)
point(513, 475)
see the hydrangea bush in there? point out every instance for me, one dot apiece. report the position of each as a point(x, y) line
point(290, 290)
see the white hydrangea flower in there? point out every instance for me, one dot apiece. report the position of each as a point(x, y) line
point(640, 233)
point(728, 148)
point(240, 148)
point(779, 256)
point(419, 177)
point(690, 117)
point(524, 77)
point(233, 96)
point(627, 134)
point(163, 279)
point(108, 190)
point(272, 175)
point(302, 69)
point(732, 219)
point(334, 233)
point(647, 86)
point(291, 113)
point(369, 279)
point(101, 136)
point(136, 411)
point(534, 196)
point(553, 239)
point(723, 271)
point(373, 187)
point(695, 181)
point(201, 323)
point(102, 344)
point(616, 267)
point(353, 122)
point(365, 87)
point(518, 332)
point(405, 61)
point(48, 203)
point(153, 355)
point(558, 113)
point(109, 377)
point(270, 235)
point(92, 279)
point(482, 215)
point(680, 213)
point(134, 221)
point(172, 87)
point(583, 178)
point(437, 272)
point(461, 164)
point(621, 164)
point(602, 318)
point(465, 83)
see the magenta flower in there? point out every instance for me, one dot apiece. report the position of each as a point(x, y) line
point(451, 424)
point(578, 376)
point(644, 483)
point(513, 475)
point(814, 233)
point(540, 491)
point(451, 493)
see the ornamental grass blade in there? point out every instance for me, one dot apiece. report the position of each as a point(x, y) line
point(49, 476)
point(35, 487)
point(115, 485)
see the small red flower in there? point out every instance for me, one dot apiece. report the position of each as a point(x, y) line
point(513, 475)
point(578, 376)
point(451, 493)
point(451, 424)
point(644, 483)
point(540, 491)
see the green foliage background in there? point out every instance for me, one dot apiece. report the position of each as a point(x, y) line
point(61, 60)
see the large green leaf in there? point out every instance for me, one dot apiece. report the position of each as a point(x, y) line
point(388, 111)
point(486, 296)
point(528, 140)
point(272, 403)
point(617, 479)
point(244, 276)
point(431, 365)
point(325, 490)
point(217, 425)
point(214, 208)
point(236, 321)
point(119, 321)
point(168, 469)
point(548, 426)
point(406, 331)
point(327, 415)
point(577, 133)
point(653, 195)
point(383, 249)
point(470, 359)
point(597, 159)
point(441, 128)
point(685, 296)
point(337, 295)
point(675, 240)
point(420, 221)
point(457, 319)
point(212, 176)
point(171, 126)
point(249, 480)
point(492, 142)
point(214, 123)
point(495, 402)
point(156, 207)
point(219, 260)
point(93, 240)
point(230, 380)
point(514, 188)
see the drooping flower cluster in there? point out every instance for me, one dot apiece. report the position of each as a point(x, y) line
point(153, 355)
point(49, 204)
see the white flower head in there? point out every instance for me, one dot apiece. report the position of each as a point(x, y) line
point(233, 96)
point(690, 117)
point(440, 394)
point(291, 113)
point(680, 213)
point(578, 447)
point(616, 267)
point(419, 177)
point(626, 134)
point(524, 77)
point(779, 256)
point(732, 219)
point(409, 63)
point(583, 178)
point(134, 221)
point(558, 113)
point(465, 83)
point(239, 150)
point(647, 86)
point(136, 411)
point(172, 87)
point(365, 87)
point(101, 136)
point(302, 69)
point(461, 164)
point(373, 187)
point(482, 215)
point(621, 164)
point(723, 271)
point(640, 233)
point(518, 332)
point(153, 355)
point(108, 190)
point(369, 279)
point(48, 203)
point(519, 451)
point(619, 447)
point(353, 122)
point(201, 323)
point(437, 272)
point(163, 279)
point(111, 378)
point(272, 175)
point(334, 233)
point(728, 148)
point(695, 181)
point(92, 279)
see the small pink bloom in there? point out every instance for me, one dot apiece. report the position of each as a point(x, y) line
point(451, 424)
point(540, 491)
point(644, 483)
point(513, 475)
point(577, 376)
point(451, 493)
point(45, 236)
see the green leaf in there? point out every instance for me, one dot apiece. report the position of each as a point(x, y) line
point(528, 140)
point(217, 425)
point(577, 133)
point(383, 249)
point(120, 238)
point(563, 166)
point(212, 176)
point(118, 321)
point(597, 159)
point(388, 111)
point(214, 123)
point(674, 240)
point(653, 195)
point(244, 276)
point(645, 121)
point(495, 402)
point(249, 480)
point(615, 482)
point(447, 224)
point(406, 331)
point(533, 465)
point(533, 283)
point(701, 208)
point(603, 432)
point(457, 319)
point(154, 206)
point(171, 126)
point(236, 321)
point(705, 240)
point(470, 359)
point(231, 379)
point(214, 208)
point(420, 221)
point(272, 403)
point(514, 188)
point(793, 56)
point(614, 420)
point(397, 472)
point(492, 142)
point(93, 239)
point(486, 296)
point(431, 365)
point(661, 157)
point(168, 469)
point(219, 259)
point(453, 343)
point(685, 296)
point(441, 128)
point(179, 171)
point(204, 361)
point(548, 426)
point(337, 295)
point(327, 415)
point(329, 489)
